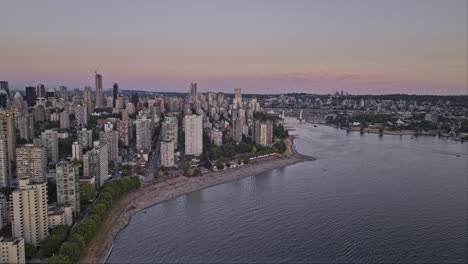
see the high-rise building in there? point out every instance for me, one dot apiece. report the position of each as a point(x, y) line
point(193, 96)
point(263, 133)
point(115, 90)
point(41, 92)
point(4, 97)
point(193, 135)
point(135, 99)
point(88, 99)
point(111, 138)
point(99, 95)
point(64, 93)
point(95, 164)
point(216, 137)
point(29, 211)
point(5, 87)
point(143, 134)
point(12, 250)
point(238, 97)
point(26, 125)
point(81, 116)
point(8, 128)
point(49, 140)
point(64, 119)
point(169, 130)
point(167, 153)
point(85, 138)
point(77, 151)
point(124, 128)
point(31, 162)
point(5, 169)
point(238, 124)
point(4, 211)
point(31, 96)
point(68, 185)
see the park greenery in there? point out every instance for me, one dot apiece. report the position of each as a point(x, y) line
point(64, 245)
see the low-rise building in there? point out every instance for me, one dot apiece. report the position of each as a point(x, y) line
point(12, 250)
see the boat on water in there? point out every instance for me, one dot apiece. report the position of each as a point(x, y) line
point(315, 125)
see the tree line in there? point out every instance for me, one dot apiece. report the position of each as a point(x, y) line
point(65, 245)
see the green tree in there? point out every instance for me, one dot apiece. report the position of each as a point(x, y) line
point(75, 162)
point(100, 210)
point(87, 192)
point(71, 250)
point(197, 172)
point(219, 165)
point(78, 239)
point(29, 250)
point(186, 168)
point(254, 149)
point(59, 259)
point(51, 244)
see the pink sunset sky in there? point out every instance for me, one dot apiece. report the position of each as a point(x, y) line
point(359, 47)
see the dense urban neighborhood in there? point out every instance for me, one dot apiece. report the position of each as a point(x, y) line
point(66, 156)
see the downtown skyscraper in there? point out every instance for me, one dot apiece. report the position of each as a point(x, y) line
point(99, 95)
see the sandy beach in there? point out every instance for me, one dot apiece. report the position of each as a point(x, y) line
point(100, 247)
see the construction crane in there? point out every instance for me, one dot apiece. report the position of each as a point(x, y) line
point(95, 72)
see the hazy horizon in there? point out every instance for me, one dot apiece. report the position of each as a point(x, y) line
point(360, 47)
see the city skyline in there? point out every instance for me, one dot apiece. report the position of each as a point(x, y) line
point(365, 47)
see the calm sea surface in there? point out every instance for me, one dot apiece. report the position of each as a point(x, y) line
point(367, 199)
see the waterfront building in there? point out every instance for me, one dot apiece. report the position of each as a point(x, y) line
point(68, 185)
point(49, 140)
point(263, 133)
point(12, 250)
point(193, 135)
point(111, 138)
point(238, 124)
point(31, 163)
point(216, 137)
point(29, 212)
point(59, 215)
point(167, 153)
point(95, 164)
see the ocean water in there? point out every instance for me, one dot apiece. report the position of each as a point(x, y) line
point(366, 199)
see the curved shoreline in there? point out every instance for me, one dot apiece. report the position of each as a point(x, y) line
point(100, 248)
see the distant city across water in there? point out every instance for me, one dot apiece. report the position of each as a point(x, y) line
point(366, 199)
